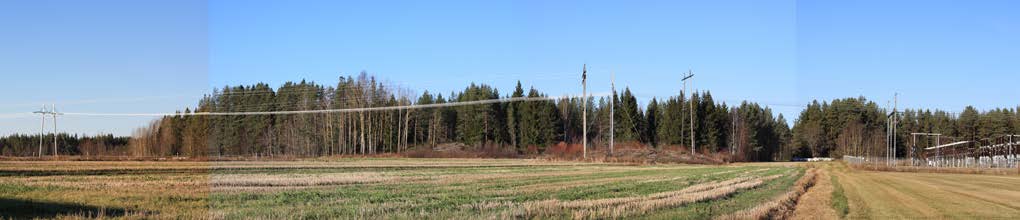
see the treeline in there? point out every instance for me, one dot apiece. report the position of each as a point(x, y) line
point(747, 132)
point(28, 145)
point(856, 126)
point(523, 127)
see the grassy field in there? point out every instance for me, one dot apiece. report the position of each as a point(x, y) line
point(384, 188)
point(899, 195)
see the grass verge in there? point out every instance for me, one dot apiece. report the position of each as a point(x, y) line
point(839, 202)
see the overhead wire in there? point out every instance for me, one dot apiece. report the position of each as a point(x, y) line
point(344, 110)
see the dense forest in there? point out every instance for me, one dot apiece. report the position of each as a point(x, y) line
point(523, 127)
point(29, 145)
point(746, 132)
point(856, 126)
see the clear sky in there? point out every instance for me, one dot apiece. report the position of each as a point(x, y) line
point(935, 53)
point(100, 56)
point(159, 56)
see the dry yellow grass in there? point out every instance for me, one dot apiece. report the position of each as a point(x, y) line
point(899, 195)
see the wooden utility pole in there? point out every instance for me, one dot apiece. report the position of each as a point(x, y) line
point(888, 131)
point(584, 113)
point(895, 123)
point(612, 116)
point(733, 130)
point(690, 74)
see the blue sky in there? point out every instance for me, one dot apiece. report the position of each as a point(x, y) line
point(100, 56)
point(935, 53)
point(159, 56)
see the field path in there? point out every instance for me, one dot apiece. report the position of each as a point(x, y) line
point(816, 203)
point(901, 195)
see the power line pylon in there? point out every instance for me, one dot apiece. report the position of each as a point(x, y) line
point(52, 111)
point(42, 129)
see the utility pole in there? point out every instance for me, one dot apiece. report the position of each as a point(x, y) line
point(42, 129)
point(888, 125)
point(52, 111)
point(690, 74)
point(896, 122)
point(584, 114)
point(733, 131)
point(1012, 155)
point(612, 115)
point(938, 142)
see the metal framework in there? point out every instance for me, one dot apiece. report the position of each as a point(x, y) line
point(52, 111)
point(996, 151)
point(914, 156)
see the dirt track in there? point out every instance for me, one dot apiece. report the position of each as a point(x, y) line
point(815, 204)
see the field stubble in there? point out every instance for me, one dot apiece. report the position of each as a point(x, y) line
point(385, 188)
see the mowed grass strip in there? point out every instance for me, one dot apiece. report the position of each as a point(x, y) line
point(839, 201)
point(884, 195)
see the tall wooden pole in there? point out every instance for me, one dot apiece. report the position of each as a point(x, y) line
point(690, 74)
point(694, 143)
point(612, 115)
point(896, 104)
point(584, 114)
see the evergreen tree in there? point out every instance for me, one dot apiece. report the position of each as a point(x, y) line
point(629, 121)
point(651, 117)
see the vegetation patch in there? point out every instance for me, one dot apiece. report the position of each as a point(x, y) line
point(839, 202)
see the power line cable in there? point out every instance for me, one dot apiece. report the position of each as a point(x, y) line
point(369, 109)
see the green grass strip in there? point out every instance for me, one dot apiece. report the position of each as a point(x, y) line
point(839, 202)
